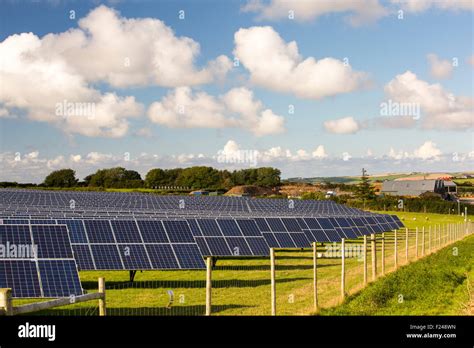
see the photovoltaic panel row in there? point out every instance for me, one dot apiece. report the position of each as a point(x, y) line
point(143, 244)
point(228, 237)
point(39, 261)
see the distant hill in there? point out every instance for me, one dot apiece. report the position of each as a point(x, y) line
point(377, 177)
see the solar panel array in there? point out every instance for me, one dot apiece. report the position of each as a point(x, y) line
point(38, 261)
point(132, 231)
point(138, 244)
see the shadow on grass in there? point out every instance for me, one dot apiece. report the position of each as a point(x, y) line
point(266, 267)
point(178, 310)
point(184, 284)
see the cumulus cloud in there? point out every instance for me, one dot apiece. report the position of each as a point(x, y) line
point(439, 68)
point(4, 113)
point(278, 66)
point(183, 108)
point(417, 6)
point(427, 151)
point(50, 79)
point(131, 51)
point(319, 152)
point(359, 12)
point(346, 125)
point(440, 109)
point(50, 91)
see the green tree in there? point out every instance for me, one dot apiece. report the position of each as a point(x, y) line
point(155, 177)
point(364, 189)
point(267, 176)
point(61, 178)
point(116, 178)
point(199, 178)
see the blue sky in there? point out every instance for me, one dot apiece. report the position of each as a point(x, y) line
point(346, 124)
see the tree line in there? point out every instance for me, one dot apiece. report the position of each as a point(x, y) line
point(197, 177)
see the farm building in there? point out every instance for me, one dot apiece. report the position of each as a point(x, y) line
point(413, 187)
point(451, 187)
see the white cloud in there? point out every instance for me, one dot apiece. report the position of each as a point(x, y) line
point(44, 73)
point(32, 167)
point(439, 68)
point(39, 84)
point(359, 12)
point(75, 158)
point(182, 108)
point(319, 152)
point(131, 51)
point(346, 125)
point(278, 66)
point(427, 151)
point(423, 5)
point(4, 113)
point(441, 110)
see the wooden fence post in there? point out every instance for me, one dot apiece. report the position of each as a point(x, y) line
point(383, 253)
point(102, 303)
point(439, 236)
point(416, 243)
point(273, 283)
point(343, 270)
point(373, 243)
point(315, 276)
point(423, 241)
point(6, 301)
point(365, 259)
point(208, 286)
point(406, 245)
point(395, 251)
point(429, 239)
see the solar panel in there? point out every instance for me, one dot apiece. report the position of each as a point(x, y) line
point(218, 246)
point(76, 230)
point(52, 241)
point(300, 240)
point(209, 227)
point(178, 231)
point(125, 231)
point(193, 225)
point(99, 231)
point(83, 256)
point(276, 225)
point(59, 278)
point(284, 240)
point(106, 257)
point(258, 245)
point(189, 256)
point(316, 236)
point(152, 231)
point(15, 234)
point(238, 246)
point(271, 240)
point(229, 227)
point(134, 256)
point(249, 227)
point(291, 225)
point(42, 264)
point(162, 256)
point(262, 225)
point(21, 276)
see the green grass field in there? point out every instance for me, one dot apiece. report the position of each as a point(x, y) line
point(242, 286)
point(440, 284)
